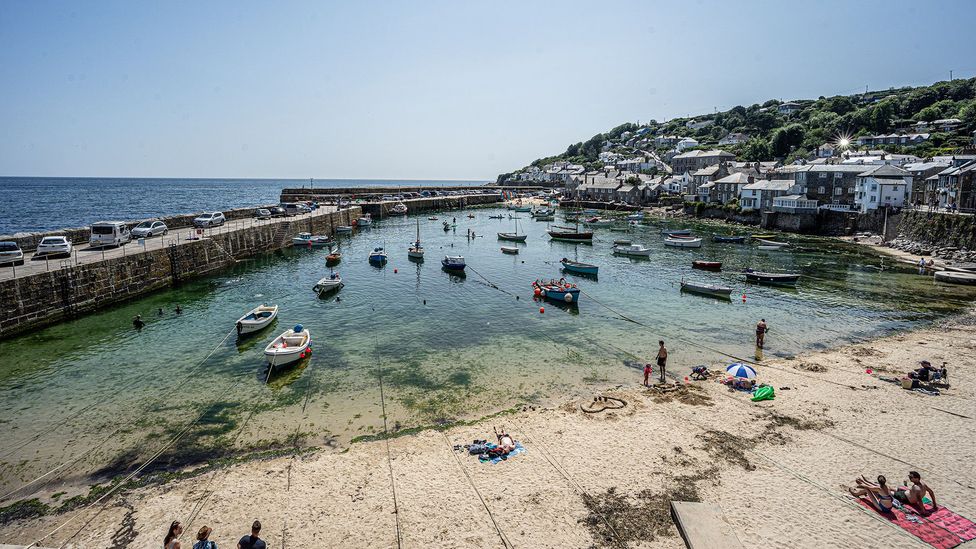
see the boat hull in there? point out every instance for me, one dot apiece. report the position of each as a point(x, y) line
point(246, 325)
point(683, 242)
point(730, 239)
point(509, 250)
point(278, 353)
point(773, 279)
point(707, 265)
point(512, 237)
point(561, 295)
point(580, 268)
point(707, 290)
point(571, 237)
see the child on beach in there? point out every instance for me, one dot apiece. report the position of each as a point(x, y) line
point(647, 372)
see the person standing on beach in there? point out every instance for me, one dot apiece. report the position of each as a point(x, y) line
point(761, 330)
point(253, 541)
point(662, 358)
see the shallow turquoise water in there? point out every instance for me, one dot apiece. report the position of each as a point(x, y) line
point(95, 397)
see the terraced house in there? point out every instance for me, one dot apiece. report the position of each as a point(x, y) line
point(831, 185)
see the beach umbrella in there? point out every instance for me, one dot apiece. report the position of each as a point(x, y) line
point(738, 369)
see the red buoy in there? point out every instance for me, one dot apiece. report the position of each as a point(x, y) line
point(743, 298)
point(394, 271)
point(542, 310)
point(537, 292)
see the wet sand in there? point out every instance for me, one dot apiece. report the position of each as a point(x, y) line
point(776, 468)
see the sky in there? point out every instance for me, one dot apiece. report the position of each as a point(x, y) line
point(420, 90)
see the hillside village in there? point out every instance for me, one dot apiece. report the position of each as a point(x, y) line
point(912, 147)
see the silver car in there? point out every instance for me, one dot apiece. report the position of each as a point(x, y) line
point(10, 254)
point(149, 228)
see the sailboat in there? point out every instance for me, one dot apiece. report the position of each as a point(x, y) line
point(513, 237)
point(416, 251)
point(566, 234)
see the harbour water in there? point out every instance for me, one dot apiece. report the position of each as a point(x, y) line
point(93, 398)
point(34, 204)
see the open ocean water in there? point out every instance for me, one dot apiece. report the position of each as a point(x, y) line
point(35, 204)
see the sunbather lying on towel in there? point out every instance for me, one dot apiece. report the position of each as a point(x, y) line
point(505, 441)
point(878, 494)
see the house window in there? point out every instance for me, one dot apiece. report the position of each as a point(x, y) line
point(821, 189)
point(874, 186)
point(838, 175)
point(838, 190)
point(873, 198)
point(823, 175)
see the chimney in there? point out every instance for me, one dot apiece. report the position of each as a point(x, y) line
point(750, 180)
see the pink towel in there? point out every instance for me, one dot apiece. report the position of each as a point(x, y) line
point(942, 529)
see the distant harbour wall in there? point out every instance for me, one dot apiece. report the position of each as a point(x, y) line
point(381, 208)
point(45, 298)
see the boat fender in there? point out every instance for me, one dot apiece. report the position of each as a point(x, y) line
point(568, 297)
point(537, 292)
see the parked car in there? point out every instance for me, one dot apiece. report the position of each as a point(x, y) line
point(149, 228)
point(293, 209)
point(53, 246)
point(262, 213)
point(10, 254)
point(209, 219)
point(277, 211)
point(109, 233)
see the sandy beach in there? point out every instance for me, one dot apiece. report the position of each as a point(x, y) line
point(602, 479)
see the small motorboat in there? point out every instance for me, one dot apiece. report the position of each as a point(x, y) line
point(333, 258)
point(580, 268)
point(291, 346)
point(344, 229)
point(310, 240)
point(510, 250)
point(499, 216)
point(776, 279)
point(707, 265)
point(512, 237)
point(622, 242)
point(598, 222)
point(683, 242)
point(328, 284)
point(561, 291)
point(729, 239)
point(523, 209)
point(631, 250)
point(706, 289)
point(365, 221)
point(470, 216)
point(432, 218)
point(676, 232)
point(399, 209)
point(257, 319)
point(378, 255)
point(764, 242)
point(453, 263)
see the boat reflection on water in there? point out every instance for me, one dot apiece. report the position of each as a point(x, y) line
point(283, 376)
point(571, 308)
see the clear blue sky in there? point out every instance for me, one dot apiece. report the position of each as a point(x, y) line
point(420, 89)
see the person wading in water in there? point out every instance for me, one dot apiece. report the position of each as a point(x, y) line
point(761, 330)
point(662, 358)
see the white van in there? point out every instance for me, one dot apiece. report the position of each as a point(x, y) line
point(109, 233)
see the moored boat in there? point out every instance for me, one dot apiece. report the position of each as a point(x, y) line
point(344, 229)
point(571, 236)
point(257, 319)
point(706, 289)
point(328, 284)
point(683, 242)
point(707, 265)
point(291, 346)
point(730, 239)
point(510, 250)
point(676, 232)
point(416, 251)
point(763, 236)
point(399, 209)
point(598, 222)
point(765, 242)
point(778, 279)
point(308, 239)
point(365, 221)
point(453, 263)
point(579, 268)
point(512, 237)
point(632, 250)
point(333, 258)
point(378, 255)
point(499, 216)
point(560, 291)
point(622, 241)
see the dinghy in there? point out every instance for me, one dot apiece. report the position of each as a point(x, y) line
point(257, 319)
point(560, 291)
point(453, 263)
point(776, 279)
point(707, 265)
point(631, 250)
point(344, 229)
point(378, 255)
point(622, 242)
point(579, 268)
point(706, 289)
point(510, 250)
point(328, 284)
point(291, 346)
point(676, 232)
point(333, 258)
point(310, 240)
point(683, 242)
point(365, 221)
point(764, 242)
point(729, 239)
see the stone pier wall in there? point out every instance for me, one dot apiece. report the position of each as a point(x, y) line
point(45, 298)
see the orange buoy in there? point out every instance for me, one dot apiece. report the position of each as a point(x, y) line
point(542, 310)
point(537, 292)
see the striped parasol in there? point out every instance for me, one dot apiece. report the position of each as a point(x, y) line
point(738, 369)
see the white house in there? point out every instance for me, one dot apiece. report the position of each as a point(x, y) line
point(686, 143)
point(794, 203)
point(733, 139)
point(760, 195)
point(882, 186)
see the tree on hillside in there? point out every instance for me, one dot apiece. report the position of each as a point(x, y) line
point(756, 150)
point(785, 139)
point(591, 147)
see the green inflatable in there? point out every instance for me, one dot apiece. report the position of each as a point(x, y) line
point(763, 393)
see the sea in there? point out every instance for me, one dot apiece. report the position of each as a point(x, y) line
point(37, 204)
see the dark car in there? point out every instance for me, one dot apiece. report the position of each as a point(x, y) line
point(277, 211)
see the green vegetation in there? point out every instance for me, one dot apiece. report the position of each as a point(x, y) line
point(775, 135)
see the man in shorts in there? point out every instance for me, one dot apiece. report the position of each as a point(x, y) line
point(662, 358)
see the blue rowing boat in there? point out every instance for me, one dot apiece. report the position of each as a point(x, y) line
point(581, 268)
point(731, 239)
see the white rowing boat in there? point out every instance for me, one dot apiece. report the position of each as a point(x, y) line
point(291, 346)
point(257, 319)
point(683, 242)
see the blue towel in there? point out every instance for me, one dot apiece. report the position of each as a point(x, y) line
point(519, 449)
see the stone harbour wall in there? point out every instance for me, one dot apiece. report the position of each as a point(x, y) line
point(48, 297)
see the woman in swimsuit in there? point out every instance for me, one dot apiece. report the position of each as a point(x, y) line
point(170, 541)
point(878, 494)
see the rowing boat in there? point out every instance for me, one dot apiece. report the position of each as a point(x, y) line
point(580, 268)
point(706, 289)
point(730, 239)
point(776, 279)
point(707, 265)
point(683, 242)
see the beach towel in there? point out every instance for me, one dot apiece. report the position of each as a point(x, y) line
point(519, 449)
point(942, 529)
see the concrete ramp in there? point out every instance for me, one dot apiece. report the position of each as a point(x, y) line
point(703, 526)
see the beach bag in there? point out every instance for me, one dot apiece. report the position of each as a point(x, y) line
point(763, 393)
